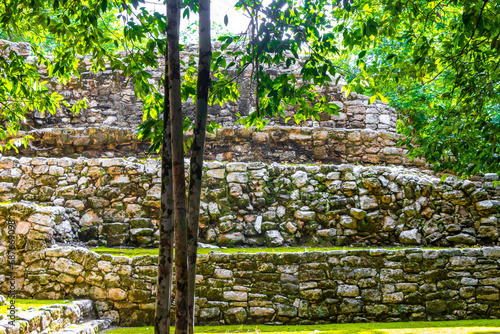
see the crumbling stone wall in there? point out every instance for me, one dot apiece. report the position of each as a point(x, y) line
point(48, 318)
point(290, 288)
point(272, 144)
point(22, 49)
point(116, 202)
point(37, 227)
point(112, 101)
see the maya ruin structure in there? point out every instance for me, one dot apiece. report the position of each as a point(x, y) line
point(416, 248)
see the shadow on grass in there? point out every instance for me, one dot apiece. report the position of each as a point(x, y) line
point(436, 327)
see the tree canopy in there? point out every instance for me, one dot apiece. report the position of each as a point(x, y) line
point(438, 62)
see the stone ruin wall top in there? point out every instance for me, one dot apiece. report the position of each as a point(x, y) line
point(112, 102)
point(288, 288)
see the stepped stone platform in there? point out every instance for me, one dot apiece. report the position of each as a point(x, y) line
point(116, 202)
point(86, 180)
point(272, 144)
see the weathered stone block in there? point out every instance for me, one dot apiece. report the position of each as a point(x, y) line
point(349, 305)
point(274, 238)
point(236, 315)
point(411, 237)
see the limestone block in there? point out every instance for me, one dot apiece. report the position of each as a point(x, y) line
point(209, 313)
point(410, 237)
point(216, 173)
point(299, 178)
point(235, 296)
point(348, 222)
point(117, 294)
point(304, 215)
point(90, 218)
point(348, 290)
point(274, 238)
point(67, 266)
point(350, 305)
point(237, 177)
point(223, 273)
point(236, 315)
point(368, 202)
point(261, 311)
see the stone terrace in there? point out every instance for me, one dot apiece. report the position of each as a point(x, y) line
point(116, 202)
point(112, 102)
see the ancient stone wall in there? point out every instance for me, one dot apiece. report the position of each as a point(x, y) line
point(112, 101)
point(272, 144)
point(116, 202)
point(22, 49)
point(37, 227)
point(312, 287)
point(342, 189)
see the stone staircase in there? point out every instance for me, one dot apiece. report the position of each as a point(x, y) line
point(87, 327)
point(76, 317)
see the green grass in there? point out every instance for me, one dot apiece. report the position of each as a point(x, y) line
point(131, 252)
point(435, 327)
point(24, 304)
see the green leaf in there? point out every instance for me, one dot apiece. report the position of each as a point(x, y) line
point(186, 124)
point(104, 5)
point(382, 98)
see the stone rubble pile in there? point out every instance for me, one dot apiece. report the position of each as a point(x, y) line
point(37, 226)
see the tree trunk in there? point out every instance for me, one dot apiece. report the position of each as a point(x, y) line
point(179, 180)
point(197, 149)
point(165, 257)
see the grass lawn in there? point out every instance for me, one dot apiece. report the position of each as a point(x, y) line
point(436, 327)
point(130, 252)
point(24, 304)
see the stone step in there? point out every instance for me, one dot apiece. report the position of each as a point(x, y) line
point(48, 318)
point(87, 327)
